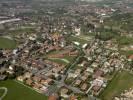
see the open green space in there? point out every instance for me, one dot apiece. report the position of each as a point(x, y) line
point(1, 92)
point(85, 37)
point(22, 30)
point(59, 60)
point(6, 43)
point(69, 58)
point(107, 35)
point(65, 60)
point(123, 40)
point(17, 91)
point(55, 52)
point(122, 81)
point(122, 21)
point(77, 39)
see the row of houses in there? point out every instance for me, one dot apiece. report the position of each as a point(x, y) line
point(38, 83)
point(89, 75)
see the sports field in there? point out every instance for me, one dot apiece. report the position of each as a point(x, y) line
point(1, 92)
point(17, 91)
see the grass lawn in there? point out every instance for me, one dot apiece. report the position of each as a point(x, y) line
point(123, 40)
point(1, 92)
point(59, 61)
point(65, 60)
point(77, 39)
point(55, 52)
point(6, 43)
point(122, 81)
point(85, 37)
point(69, 58)
point(17, 91)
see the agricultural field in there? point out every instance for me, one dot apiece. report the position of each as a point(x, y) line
point(125, 44)
point(122, 81)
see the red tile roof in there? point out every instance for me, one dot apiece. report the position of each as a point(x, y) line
point(131, 57)
point(53, 97)
point(98, 73)
point(73, 98)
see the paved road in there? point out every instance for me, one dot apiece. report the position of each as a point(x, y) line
point(61, 83)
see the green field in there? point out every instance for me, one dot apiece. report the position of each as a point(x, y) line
point(26, 29)
point(77, 39)
point(6, 43)
point(123, 40)
point(55, 52)
point(65, 60)
point(120, 21)
point(1, 92)
point(59, 61)
point(17, 91)
point(122, 81)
